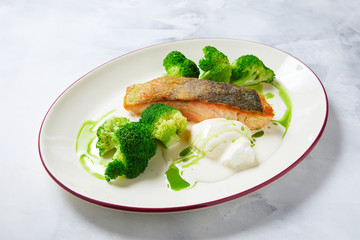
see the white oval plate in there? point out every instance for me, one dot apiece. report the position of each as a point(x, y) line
point(103, 89)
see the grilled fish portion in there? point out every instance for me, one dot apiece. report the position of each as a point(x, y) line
point(199, 100)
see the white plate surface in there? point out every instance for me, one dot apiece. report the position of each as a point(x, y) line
point(102, 90)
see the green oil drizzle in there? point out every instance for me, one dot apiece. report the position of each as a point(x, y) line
point(286, 118)
point(174, 176)
point(258, 134)
point(185, 151)
point(269, 95)
point(195, 158)
point(84, 159)
point(176, 182)
point(85, 138)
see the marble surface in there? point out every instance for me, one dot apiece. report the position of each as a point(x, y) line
point(47, 45)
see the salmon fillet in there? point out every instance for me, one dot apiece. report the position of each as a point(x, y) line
point(199, 100)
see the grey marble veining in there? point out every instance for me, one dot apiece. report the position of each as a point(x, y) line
point(47, 45)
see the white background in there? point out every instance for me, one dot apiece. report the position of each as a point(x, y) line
point(47, 45)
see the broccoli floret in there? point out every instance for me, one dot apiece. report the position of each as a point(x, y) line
point(215, 65)
point(106, 133)
point(134, 149)
point(250, 70)
point(114, 169)
point(177, 65)
point(164, 123)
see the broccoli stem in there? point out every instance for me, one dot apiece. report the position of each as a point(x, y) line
point(173, 139)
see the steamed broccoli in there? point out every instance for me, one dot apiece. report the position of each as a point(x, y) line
point(177, 65)
point(106, 133)
point(215, 65)
point(164, 123)
point(134, 149)
point(250, 70)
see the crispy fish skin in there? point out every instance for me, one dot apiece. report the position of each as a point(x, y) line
point(199, 100)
